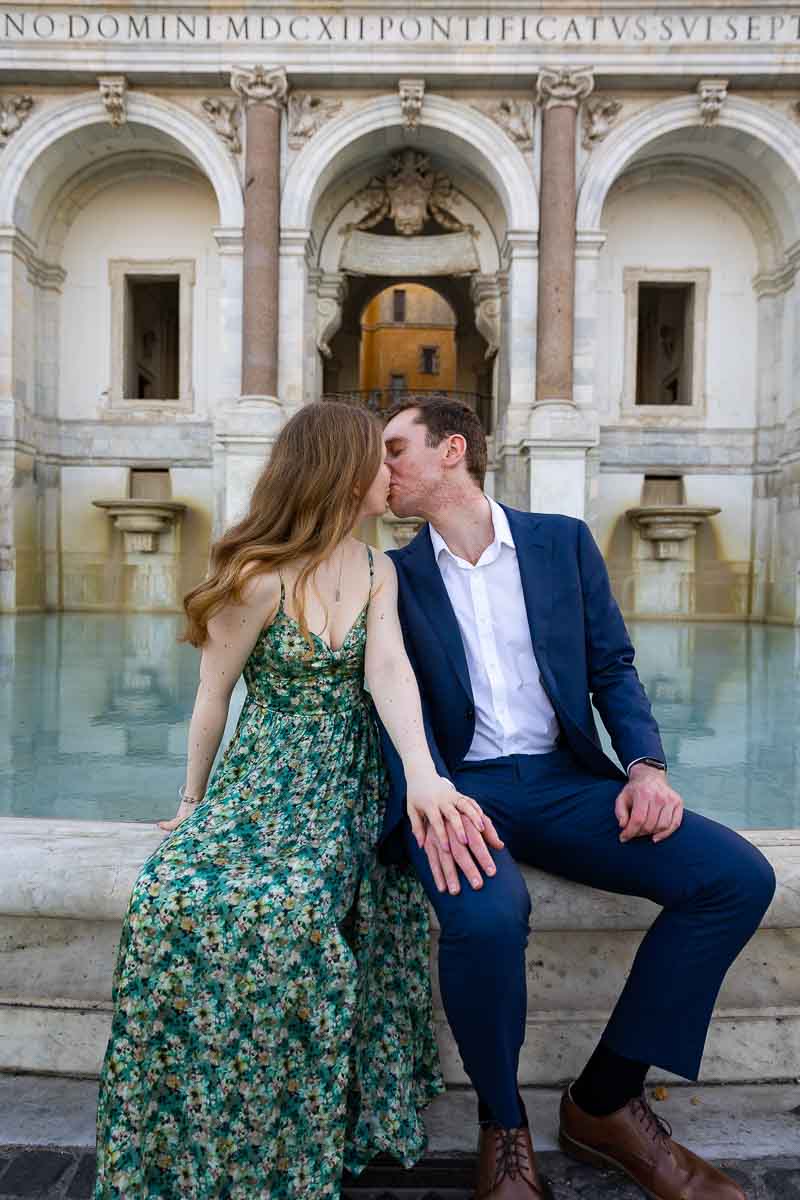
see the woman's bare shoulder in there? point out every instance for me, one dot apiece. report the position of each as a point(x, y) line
point(383, 567)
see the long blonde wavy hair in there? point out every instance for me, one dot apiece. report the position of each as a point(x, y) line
point(304, 504)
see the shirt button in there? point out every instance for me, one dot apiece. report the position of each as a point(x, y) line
point(469, 713)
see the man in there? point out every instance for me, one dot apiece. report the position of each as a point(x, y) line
point(513, 633)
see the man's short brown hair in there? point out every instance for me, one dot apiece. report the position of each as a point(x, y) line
point(442, 418)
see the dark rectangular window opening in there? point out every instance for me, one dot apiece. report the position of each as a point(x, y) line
point(398, 304)
point(152, 352)
point(397, 382)
point(664, 344)
point(429, 360)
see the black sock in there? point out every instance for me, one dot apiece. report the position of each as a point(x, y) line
point(607, 1082)
point(485, 1114)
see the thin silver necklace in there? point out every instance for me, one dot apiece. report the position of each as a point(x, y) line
point(339, 582)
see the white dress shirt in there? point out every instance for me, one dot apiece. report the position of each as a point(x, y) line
point(512, 712)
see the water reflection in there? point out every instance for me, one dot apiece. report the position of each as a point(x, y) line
point(94, 712)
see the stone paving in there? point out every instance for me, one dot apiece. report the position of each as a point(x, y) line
point(36, 1173)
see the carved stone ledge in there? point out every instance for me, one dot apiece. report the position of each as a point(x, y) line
point(307, 114)
point(114, 95)
point(260, 85)
point(14, 111)
point(224, 116)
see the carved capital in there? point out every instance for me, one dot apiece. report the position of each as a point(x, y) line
point(712, 94)
point(224, 115)
point(259, 85)
point(14, 110)
point(561, 87)
point(598, 116)
point(307, 114)
point(412, 94)
point(114, 95)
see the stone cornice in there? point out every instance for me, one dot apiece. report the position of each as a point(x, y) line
point(49, 276)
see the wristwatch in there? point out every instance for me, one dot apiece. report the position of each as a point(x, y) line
point(653, 762)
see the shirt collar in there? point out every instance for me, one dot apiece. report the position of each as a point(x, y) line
point(502, 537)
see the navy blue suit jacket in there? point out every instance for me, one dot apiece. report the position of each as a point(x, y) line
point(581, 644)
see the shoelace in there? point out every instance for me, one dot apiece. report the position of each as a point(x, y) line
point(655, 1127)
point(512, 1157)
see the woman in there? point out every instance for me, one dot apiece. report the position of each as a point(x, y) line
point(272, 1019)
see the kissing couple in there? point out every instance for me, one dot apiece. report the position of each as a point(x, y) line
point(417, 725)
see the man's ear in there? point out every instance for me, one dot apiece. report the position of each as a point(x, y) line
point(456, 450)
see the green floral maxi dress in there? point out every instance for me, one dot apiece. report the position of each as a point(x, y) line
point(272, 1007)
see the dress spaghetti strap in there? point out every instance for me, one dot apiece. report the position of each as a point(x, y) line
point(371, 570)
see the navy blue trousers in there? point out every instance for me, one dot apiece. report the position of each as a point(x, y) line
point(713, 887)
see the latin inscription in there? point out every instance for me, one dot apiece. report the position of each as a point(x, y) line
point(429, 28)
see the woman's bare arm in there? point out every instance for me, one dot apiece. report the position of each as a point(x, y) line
point(232, 633)
point(390, 679)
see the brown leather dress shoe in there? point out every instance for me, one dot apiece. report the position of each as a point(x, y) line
point(640, 1143)
point(507, 1166)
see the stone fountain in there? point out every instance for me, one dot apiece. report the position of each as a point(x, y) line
point(665, 574)
point(141, 521)
point(150, 575)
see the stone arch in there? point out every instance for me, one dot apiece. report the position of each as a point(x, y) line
point(778, 140)
point(36, 162)
point(470, 132)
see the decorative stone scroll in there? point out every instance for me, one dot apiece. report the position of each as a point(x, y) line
point(331, 291)
point(598, 117)
point(712, 94)
point(559, 87)
point(114, 94)
point(412, 93)
point(409, 193)
point(515, 118)
point(307, 114)
point(485, 291)
point(258, 85)
point(225, 116)
point(14, 111)
point(374, 254)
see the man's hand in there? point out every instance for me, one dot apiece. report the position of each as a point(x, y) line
point(648, 805)
point(472, 858)
point(453, 830)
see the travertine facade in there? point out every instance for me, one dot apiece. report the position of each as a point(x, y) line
point(568, 175)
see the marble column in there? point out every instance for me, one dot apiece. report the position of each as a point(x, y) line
point(559, 92)
point(264, 93)
point(559, 431)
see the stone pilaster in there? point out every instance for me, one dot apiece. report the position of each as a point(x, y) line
point(264, 93)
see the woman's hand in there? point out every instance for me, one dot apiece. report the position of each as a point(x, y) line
point(452, 829)
point(185, 809)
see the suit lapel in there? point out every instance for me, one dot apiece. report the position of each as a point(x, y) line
point(428, 586)
point(535, 560)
